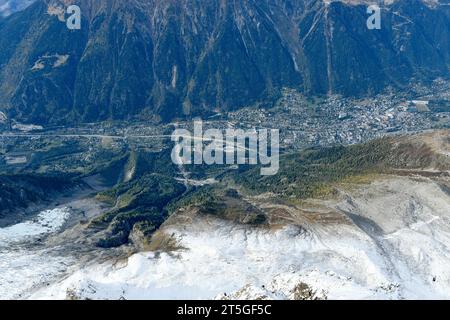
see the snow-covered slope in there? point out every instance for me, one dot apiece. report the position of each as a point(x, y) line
point(23, 268)
point(8, 7)
point(392, 240)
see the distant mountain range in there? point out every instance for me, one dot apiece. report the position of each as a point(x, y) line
point(166, 59)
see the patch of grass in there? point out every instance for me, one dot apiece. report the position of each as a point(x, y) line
point(107, 197)
point(161, 241)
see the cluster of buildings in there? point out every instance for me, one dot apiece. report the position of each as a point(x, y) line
point(313, 121)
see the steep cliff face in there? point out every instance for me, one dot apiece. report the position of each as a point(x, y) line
point(170, 59)
point(18, 192)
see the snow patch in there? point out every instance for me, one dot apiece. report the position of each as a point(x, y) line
point(46, 222)
point(22, 269)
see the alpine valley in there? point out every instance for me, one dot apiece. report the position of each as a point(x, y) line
point(93, 207)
